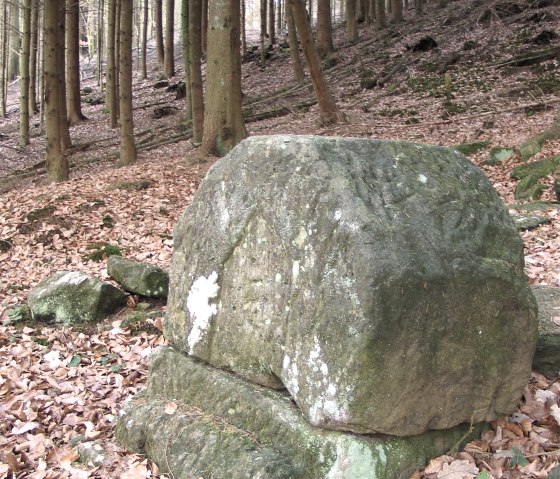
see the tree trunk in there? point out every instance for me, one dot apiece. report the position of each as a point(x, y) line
point(128, 147)
point(143, 67)
point(243, 30)
point(263, 32)
point(329, 112)
point(196, 85)
point(271, 23)
point(325, 45)
point(65, 140)
point(33, 52)
point(100, 45)
point(278, 18)
point(351, 24)
point(204, 27)
point(419, 5)
point(57, 163)
point(223, 119)
point(299, 75)
point(4, 57)
point(15, 42)
point(169, 56)
point(73, 100)
point(380, 20)
point(111, 100)
point(185, 29)
point(158, 20)
point(397, 8)
point(24, 75)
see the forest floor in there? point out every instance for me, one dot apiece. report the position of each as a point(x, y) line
point(61, 389)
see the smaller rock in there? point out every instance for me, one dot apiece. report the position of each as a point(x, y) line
point(529, 188)
point(529, 221)
point(140, 278)
point(498, 154)
point(529, 148)
point(72, 297)
point(547, 356)
point(471, 148)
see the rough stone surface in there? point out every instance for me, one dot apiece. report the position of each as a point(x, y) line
point(195, 421)
point(358, 274)
point(72, 297)
point(547, 355)
point(140, 278)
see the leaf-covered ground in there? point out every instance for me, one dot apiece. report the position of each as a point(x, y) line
point(61, 389)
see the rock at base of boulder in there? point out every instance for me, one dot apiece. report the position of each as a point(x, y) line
point(547, 355)
point(140, 278)
point(194, 420)
point(72, 297)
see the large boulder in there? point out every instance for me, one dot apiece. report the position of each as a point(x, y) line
point(380, 282)
point(140, 278)
point(73, 297)
point(196, 421)
point(547, 355)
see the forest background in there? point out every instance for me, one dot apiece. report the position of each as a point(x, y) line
point(479, 75)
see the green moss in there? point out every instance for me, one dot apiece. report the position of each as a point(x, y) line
point(529, 188)
point(40, 213)
point(108, 222)
point(6, 245)
point(538, 169)
point(471, 148)
point(131, 185)
point(102, 251)
point(427, 84)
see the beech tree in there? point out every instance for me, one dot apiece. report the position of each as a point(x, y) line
point(143, 67)
point(56, 162)
point(73, 98)
point(24, 75)
point(111, 98)
point(329, 112)
point(3, 56)
point(351, 24)
point(128, 146)
point(158, 21)
point(169, 52)
point(223, 117)
point(195, 68)
point(33, 53)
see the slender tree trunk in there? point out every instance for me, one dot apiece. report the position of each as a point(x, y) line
point(65, 140)
point(263, 32)
point(185, 29)
point(169, 56)
point(57, 163)
point(223, 119)
point(143, 67)
point(111, 100)
point(351, 24)
point(118, 10)
point(325, 45)
point(128, 147)
point(419, 4)
point(73, 100)
point(380, 20)
point(297, 66)
point(4, 57)
point(278, 17)
point(24, 75)
point(33, 52)
point(15, 41)
point(329, 112)
point(204, 27)
point(158, 20)
point(243, 30)
point(100, 45)
point(196, 85)
point(271, 23)
point(397, 8)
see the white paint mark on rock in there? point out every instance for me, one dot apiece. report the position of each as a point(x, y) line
point(422, 178)
point(295, 271)
point(198, 303)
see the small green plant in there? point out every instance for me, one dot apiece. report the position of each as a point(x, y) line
point(108, 222)
point(18, 314)
point(102, 251)
point(6, 245)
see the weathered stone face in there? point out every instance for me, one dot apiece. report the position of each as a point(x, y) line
point(140, 278)
point(380, 282)
point(73, 297)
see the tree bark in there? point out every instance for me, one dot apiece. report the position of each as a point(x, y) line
point(24, 75)
point(271, 23)
point(158, 20)
point(297, 66)
point(33, 52)
point(143, 67)
point(329, 112)
point(169, 54)
point(397, 8)
point(204, 27)
point(73, 99)
point(57, 163)
point(351, 24)
point(185, 29)
point(325, 45)
point(419, 5)
point(15, 45)
point(263, 31)
point(195, 69)
point(380, 20)
point(3, 65)
point(223, 119)
point(65, 140)
point(111, 99)
point(128, 147)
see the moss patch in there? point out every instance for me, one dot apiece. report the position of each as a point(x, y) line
point(101, 251)
point(471, 148)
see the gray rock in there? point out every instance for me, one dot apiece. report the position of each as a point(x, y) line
point(547, 355)
point(196, 421)
point(498, 154)
point(140, 278)
point(380, 282)
point(72, 298)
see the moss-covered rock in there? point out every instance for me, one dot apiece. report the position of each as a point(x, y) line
point(197, 421)
point(529, 188)
point(537, 169)
point(73, 298)
point(356, 273)
point(471, 148)
point(498, 154)
point(140, 278)
point(547, 355)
